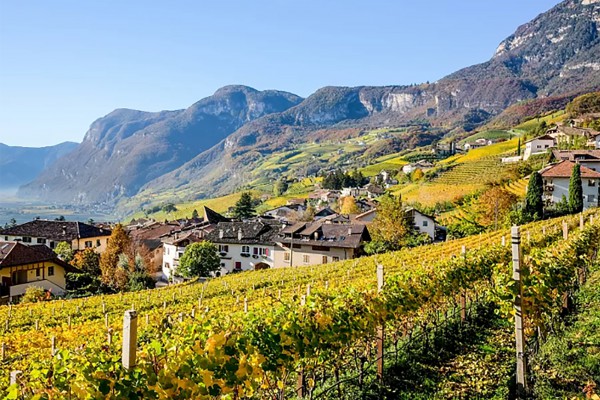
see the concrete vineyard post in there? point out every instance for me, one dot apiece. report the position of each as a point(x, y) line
point(565, 228)
point(519, 313)
point(53, 345)
point(129, 339)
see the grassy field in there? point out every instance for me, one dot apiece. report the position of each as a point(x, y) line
point(551, 118)
point(493, 135)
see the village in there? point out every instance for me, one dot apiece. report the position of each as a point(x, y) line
point(316, 230)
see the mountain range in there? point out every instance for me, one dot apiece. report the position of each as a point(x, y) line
point(20, 165)
point(210, 147)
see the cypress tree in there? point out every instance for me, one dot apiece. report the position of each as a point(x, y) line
point(244, 208)
point(519, 147)
point(576, 190)
point(534, 205)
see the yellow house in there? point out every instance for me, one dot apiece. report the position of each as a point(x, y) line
point(78, 234)
point(23, 266)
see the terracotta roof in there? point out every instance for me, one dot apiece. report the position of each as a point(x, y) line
point(56, 230)
point(564, 169)
point(14, 254)
point(543, 137)
point(572, 155)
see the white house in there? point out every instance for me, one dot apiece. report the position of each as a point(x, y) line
point(173, 249)
point(247, 245)
point(422, 222)
point(595, 140)
point(538, 145)
point(423, 165)
point(313, 243)
point(556, 183)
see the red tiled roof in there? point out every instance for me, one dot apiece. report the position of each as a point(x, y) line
point(14, 253)
point(564, 169)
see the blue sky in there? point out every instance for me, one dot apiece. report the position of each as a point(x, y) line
point(65, 63)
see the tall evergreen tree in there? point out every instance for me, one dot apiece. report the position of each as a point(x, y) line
point(519, 147)
point(534, 205)
point(576, 190)
point(244, 208)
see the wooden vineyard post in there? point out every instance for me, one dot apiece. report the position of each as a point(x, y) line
point(245, 305)
point(53, 345)
point(519, 313)
point(380, 328)
point(463, 295)
point(129, 339)
point(503, 241)
point(3, 352)
point(565, 228)
point(581, 222)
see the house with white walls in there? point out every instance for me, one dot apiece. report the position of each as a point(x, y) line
point(556, 180)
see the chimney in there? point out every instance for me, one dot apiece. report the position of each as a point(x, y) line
point(349, 231)
point(240, 234)
point(316, 234)
point(64, 230)
point(221, 233)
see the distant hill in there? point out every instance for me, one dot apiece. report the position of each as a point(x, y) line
point(19, 165)
point(127, 148)
point(211, 147)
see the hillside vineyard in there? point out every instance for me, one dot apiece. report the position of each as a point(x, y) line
point(250, 335)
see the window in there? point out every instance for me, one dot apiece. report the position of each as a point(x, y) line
point(180, 255)
point(166, 251)
point(296, 246)
point(6, 238)
point(286, 256)
point(223, 248)
point(41, 241)
point(591, 182)
point(51, 270)
point(425, 223)
point(306, 258)
point(246, 249)
point(52, 244)
point(335, 258)
point(37, 272)
point(539, 146)
point(167, 266)
point(88, 244)
point(324, 259)
point(98, 243)
point(238, 265)
point(591, 198)
point(320, 248)
point(263, 251)
point(26, 239)
point(255, 251)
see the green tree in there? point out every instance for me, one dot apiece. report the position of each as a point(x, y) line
point(519, 147)
point(534, 205)
point(199, 259)
point(392, 225)
point(281, 186)
point(86, 281)
point(195, 214)
point(575, 190)
point(61, 218)
point(244, 208)
point(64, 251)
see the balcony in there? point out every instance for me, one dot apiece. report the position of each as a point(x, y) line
point(19, 290)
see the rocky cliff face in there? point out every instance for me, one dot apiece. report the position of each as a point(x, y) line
point(127, 148)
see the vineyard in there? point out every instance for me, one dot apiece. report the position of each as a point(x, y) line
point(307, 332)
